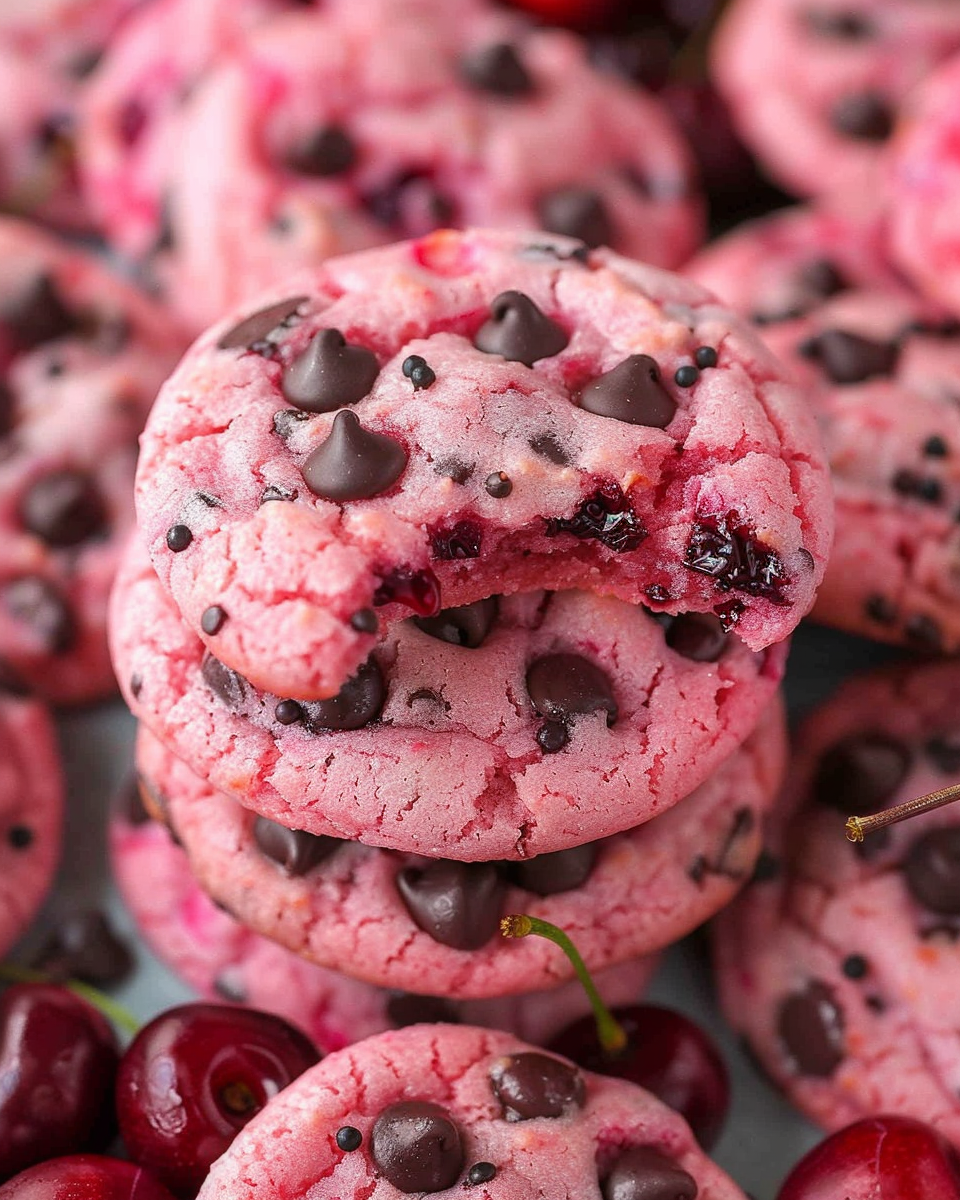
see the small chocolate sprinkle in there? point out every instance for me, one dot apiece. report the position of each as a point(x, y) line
point(357, 704)
point(295, 851)
point(865, 116)
point(417, 1147)
point(931, 870)
point(697, 636)
point(481, 1172)
point(706, 357)
point(365, 620)
point(861, 773)
point(559, 871)
point(179, 538)
point(577, 212)
point(466, 625)
point(458, 904)
point(228, 685)
point(564, 685)
point(855, 966)
point(498, 485)
point(327, 151)
point(212, 620)
point(63, 508)
point(936, 447)
point(40, 607)
point(519, 331)
point(259, 325)
point(288, 712)
point(349, 1138)
point(552, 736)
point(419, 372)
point(686, 376)
point(532, 1085)
point(810, 1026)
point(330, 373)
point(549, 446)
point(497, 69)
point(631, 392)
point(353, 463)
point(645, 1173)
point(20, 837)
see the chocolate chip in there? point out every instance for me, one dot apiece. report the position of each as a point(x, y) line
point(697, 636)
point(357, 703)
point(20, 837)
point(932, 870)
point(85, 947)
point(706, 357)
point(551, 874)
point(498, 69)
point(921, 487)
point(276, 491)
point(845, 26)
point(549, 446)
point(179, 538)
point(458, 904)
point(880, 609)
point(861, 773)
point(63, 508)
point(866, 117)
point(466, 625)
point(353, 463)
point(924, 632)
point(810, 1026)
point(330, 373)
point(38, 315)
point(552, 736)
point(365, 620)
point(944, 753)
point(43, 610)
point(498, 485)
point(288, 712)
point(327, 151)
point(461, 540)
point(631, 392)
point(519, 331)
point(419, 372)
point(686, 376)
point(535, 1085)
point(644, 1173)
point(935, 447)
point(417, 1147)
point(407, 1008)
point(295, 851)
point(481, 1172)
point(212, 620)
point(563, 685)
point(349, 1139)
point(226, 684)
point(577, 212)
point(767, 868)
point(259, 325)
point(855, 966)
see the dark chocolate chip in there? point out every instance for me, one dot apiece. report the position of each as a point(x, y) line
point(38, 315)
point(43, 610)
point(932, 870)
point(212, 620)
point(85, 947)
point(924, 632)
point(697, 636)
point(63, 508)
point(921, 487)
point(259, 325)
point(865, 116)
point(330, 373)
point(288, 712)
point(357, 703)
point(536, 1085)
point(481, 1172)
point(706, 357)
point(631, 392)
point(365, 620)
point(767, 868)
point(644, 1173)
point(549, 446)
point(353, 463)
point(855, 966)
point(458, 904)
point(20, 837)
point(861, 773)
point(327, 151)
point(686, 376)
point(407, 1008)
point(845, 26)
point(551, 874)
point(498, 485)
point(225, 683)
point(498, 69)
point(577, 212)
point(880, 609)
point(552, 736)
point(944, 753)
point(466, 625)
point(179, 538)
point(349, 1138)
point(276, 491)
point(935, 447)
point(419, 372)
point(810, 1026)
point(295, 851)
point(563, 685)
point(416, 1147)
point(519, 331)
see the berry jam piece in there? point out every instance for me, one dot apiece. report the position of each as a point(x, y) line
point(418, 590)
point(461, 540)
point(606, 517)
point(725, 549)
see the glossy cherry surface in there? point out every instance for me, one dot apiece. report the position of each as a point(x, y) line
point(577, 14)
point(84, 1177)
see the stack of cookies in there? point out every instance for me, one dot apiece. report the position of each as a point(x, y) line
point(462, 584)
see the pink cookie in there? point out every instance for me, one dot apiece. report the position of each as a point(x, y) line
point(81, 357)
point(840, 963)
point(442, 1108)
point(514, 414)
point(533, 723)
point(223, 960)
point(882, 371)
point(815, 85)
point(433, 925)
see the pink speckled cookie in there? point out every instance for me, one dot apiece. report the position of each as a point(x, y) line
point(81, 358)
point(442, 1108)
point(223, 960)
point(433, 924)
point(31, 803)
point(427, 424)
point(351, 127)
point(841, 963)
point(815, 85)
point(534, 722)
point(882, 373)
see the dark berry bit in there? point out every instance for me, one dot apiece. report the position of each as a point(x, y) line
point(353, 463)
point(461, 540)
point(458, 904)
point(418, 590)
point(552, 736)
point(288, 712)
point(631, 392)
point(810, 1026)
point(725, 549)
point(519, 331)
point(935, 447)
point(327, 151)
point(179, 538)
point(577, 212)
point(255, 330)
point(481, 1172)
point(865, 116)
point(419, 372)
point(20, 837)
point(212, 620)
point(349, 1138)
point(706, 357)
point(64, 508)
point(855, 966)
point(554, 873)
point(920, 487)
point(498, 485)
point(497, 69)
point(228, 685)
point(416, 1147)
point(330, 373)
point(606, 517)
point(453, 468)
point(686, 376)
point(365, 620)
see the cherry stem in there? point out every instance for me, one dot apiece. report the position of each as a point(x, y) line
point(858, 827)
point(115, 1012)
point(610, 1032)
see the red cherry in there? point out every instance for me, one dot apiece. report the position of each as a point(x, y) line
point(191, 1080)
point(893, 1157)
point(577, 14)
point(58, 1060)
point(84, 1177)
point(666, 1054)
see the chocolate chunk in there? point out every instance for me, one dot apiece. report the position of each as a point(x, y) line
point(330, 373)
point(848, 358)
point(697, 636)
point(85, 947)
point(212, 620)
point(417, 1147)
point(466, 625)
point(810, 1026)
point(498, 485)
point(733, 556)
point(481, 1172)
point(43, 610)
point(931, 870)
point(577, 212)
point(295, 851)
point(461, 540)
point(606, 517)
point(936, 447)
point(458, 904)
point(643, 1173)
point(631, 392)
point(549, 446)
point(861, 773)
point(552, 736)
point(349, 1138)
point(63, 508)
point(353, 463)
point(179, 538)
point(407, 1008)
point(419, 372)
point(259, 325)
point(551, 874)
point(498, 69)
point(20, 837)
point(38, 315)
point(564, 685)
point(536, 1085)
point(866, 117)
point(519, 331)
point(357, 703)
point(327, 151)
point(365, 620)
point(944, 753)
point(228, 685)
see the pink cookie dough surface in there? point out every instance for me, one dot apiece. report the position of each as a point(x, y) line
point(81, 358)
point(840, 964)
point(590, 468)
point(223, 960)
point(346, 906)
point(433, 726)
point(881, 370)
point(289, 1149)
point(815, 86)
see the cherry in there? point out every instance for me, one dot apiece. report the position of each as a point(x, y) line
point(577, 14)
point(893, 1157)
point(58, 1060)
point(193, 1077)
point(84, 1177)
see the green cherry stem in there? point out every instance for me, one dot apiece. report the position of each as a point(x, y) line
point(120, 1016)
point(610, 1032)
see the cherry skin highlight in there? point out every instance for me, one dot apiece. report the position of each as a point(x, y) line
point(84, 1177)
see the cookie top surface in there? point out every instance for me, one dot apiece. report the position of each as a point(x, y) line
point(592, 467)
point(458, 1087)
